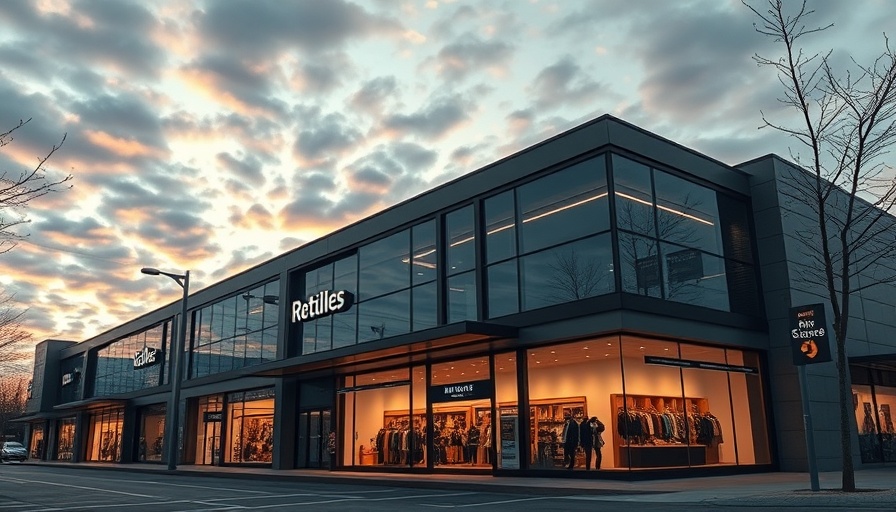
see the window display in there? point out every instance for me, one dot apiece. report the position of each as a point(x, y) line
point(150, 445)
point(104, 439)
point(65, 439)
point(251, 426)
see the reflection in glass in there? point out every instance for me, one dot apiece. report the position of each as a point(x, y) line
point(640, 265)
point(563, 206)
point(425, 304)
point(503, 289)
point(687, 213)
point(383, 266)
point(384, 316)
point(694, 277)
point(500, 227)
point(115, 372)
point(461, 254)
point(634, 196)
point(462, 297)
point(567, 273)
point(424, 252)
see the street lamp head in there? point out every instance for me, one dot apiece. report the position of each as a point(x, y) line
point(271, 299)
point(150, 271)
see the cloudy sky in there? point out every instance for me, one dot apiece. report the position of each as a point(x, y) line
point(213, 135)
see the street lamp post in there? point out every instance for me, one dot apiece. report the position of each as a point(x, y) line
point(171, 441)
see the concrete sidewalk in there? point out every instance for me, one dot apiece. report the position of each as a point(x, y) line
point(778, 489)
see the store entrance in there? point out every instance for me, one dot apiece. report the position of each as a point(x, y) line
point(313, 435)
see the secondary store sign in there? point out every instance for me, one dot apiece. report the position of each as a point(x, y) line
point(477, 389)
point(147, 357)
point(321, 304)
point(809, 335)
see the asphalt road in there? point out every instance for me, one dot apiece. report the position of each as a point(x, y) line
point(27, 488)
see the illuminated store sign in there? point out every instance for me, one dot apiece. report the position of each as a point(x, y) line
point(147, 357)
point(212, 417)
point(809, 335)
point(321, 304)
point(461, 391)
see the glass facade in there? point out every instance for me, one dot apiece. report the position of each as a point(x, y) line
point(393, 281)
point(238, 331)
point(682, 241)
point(115, 372)
point(547, 241)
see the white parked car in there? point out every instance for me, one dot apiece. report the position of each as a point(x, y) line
point(13, 451)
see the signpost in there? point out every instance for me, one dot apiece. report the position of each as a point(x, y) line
point(809, 345)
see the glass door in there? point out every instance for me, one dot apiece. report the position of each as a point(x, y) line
point(313, 435)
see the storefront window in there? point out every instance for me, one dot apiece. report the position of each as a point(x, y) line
point(866, 419)
point(65, 439)
point(151, 443)
point(208, 430)
point(36, 447)
point(104, 437)
point(570, 384)
point(710, 397)
point(380, 427)
point(251, 427)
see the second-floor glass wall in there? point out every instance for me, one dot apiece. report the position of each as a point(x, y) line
point(238, 331)
point(546, 242)
point(116, 371)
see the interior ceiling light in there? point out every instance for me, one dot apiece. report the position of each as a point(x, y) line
point(665, 208)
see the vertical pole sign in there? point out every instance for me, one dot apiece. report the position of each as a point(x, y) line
point(809, 345)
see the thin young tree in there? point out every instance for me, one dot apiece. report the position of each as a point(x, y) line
point(847, 123)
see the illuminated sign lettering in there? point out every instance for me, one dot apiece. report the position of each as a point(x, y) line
point(321, 304)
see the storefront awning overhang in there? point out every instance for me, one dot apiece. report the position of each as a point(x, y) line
point(90, 403)
point(28, 418)
point(408, 347)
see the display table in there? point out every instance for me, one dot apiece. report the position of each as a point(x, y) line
point(653, 456)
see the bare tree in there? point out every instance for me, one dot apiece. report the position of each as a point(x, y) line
point(14, 341)
point(17, 190)
point(847, 126)
point(13, 395)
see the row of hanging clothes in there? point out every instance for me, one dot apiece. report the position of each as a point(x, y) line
point(650, 426)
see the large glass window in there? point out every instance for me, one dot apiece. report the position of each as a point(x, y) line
point(461, 260)
point(238, 331)
point(563, 206)
point(636, 403)
point(384, 266)
point(568, 385)
point(381, 429)
point(115, 372)
point(556, 264)
point(671, 242)
point(208, 430)
point(567, 273)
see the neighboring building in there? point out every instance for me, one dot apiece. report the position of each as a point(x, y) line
point(606, 272)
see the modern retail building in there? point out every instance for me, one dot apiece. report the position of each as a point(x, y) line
point(606, 272)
